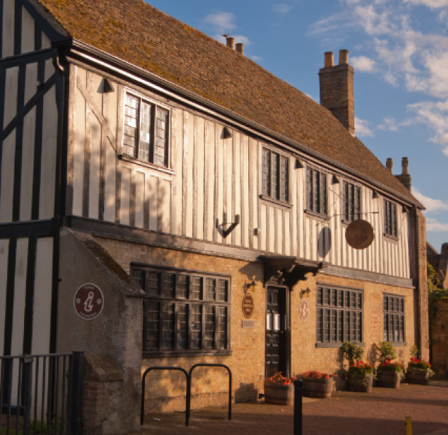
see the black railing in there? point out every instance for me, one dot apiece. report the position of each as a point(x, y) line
point(36, 397)
point(188, 392)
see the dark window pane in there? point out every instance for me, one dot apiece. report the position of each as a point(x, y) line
point(222, 291)
point(153, 285)
point(152, 326)
point(168, 327)
point(284, 179)
point(320, 321)
point(334, 297)
point(333, 325)
point(182, 326)
point(320, 296)
point(195, 327)
point(323, 194)
point(210, 288)
point(266, 172)
point(196, 287)
point(182, 286)
point(209, 333)
point(138, 276)
point(221, 328)
point(326, 326)
point(168, 285)
point(309, 189)
point(274, 175)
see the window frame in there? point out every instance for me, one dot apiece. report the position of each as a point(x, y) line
point(155, 105)
point(399, 319)
point(344, 315)
point(310, 191)
point(267, 191)
point(350, 215)
point(178, 300)
point(390, 219)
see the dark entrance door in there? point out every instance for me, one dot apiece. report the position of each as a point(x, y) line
point(276, 331)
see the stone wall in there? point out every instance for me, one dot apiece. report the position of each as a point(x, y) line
point(165, 391)
point(439, 353)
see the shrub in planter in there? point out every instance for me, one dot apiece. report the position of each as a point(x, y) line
point(317, 384)
point(360, 377)
point(419, 372)
point(279, 390)
point(389, 374)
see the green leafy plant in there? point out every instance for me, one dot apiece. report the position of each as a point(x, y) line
point(390, 366)
point(352, 352)
point(361, 368)
point(384, 352)
point(413, 351)
point(415, 365)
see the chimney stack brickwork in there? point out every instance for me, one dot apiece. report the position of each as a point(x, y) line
point(405, 177)
point(336, 89)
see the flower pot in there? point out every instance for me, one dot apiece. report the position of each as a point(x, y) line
point(276, 393)
point(359, 383)
point(388, 379)
point(418, 377)
point(320, 388)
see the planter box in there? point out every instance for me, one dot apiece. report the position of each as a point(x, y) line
point(418, 377)
point(276, 393)
point(388, 379)
point(359, 383)
point(320, 388)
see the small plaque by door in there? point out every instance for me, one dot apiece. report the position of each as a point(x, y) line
point(248, 305)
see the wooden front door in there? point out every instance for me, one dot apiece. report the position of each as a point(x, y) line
point(276, 331)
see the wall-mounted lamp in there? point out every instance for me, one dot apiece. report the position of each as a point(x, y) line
point(298, 164)
point(375, 194)
point(307, 291)
point(107, 86)
point(226, 133)
point(404, 209)
point(250, 284)
point(334, 180)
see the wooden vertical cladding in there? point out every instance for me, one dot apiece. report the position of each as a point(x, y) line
point(25, 302)
point(210, 178)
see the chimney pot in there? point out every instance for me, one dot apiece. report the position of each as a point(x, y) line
point(390, 165)
point(329, 60)
point(405, 166)
point(240, 48)
point(230, 42)
point(343, 57)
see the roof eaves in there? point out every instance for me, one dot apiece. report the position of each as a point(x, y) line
point(215, 109)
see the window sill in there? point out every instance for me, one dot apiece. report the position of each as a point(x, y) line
point(184, 353)
point(335, 345)
point(130, 159)
point(391, 238)
point(276, 201)
point(324, 217)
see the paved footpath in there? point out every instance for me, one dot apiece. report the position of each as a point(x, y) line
point(382, 412)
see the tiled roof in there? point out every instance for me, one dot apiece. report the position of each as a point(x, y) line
point(142, 35)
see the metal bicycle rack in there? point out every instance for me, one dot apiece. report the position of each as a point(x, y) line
point(142, 409)
point(188, 398)
point(230, 381)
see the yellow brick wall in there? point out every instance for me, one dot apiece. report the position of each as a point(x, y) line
point(166, 390)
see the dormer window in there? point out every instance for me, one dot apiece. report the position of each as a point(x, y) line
point(145, 135)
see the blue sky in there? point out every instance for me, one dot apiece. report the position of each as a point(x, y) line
point(399, 49)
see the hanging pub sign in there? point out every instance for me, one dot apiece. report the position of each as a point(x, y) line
point(248, 305)
point(88, 301)
point(304, 310)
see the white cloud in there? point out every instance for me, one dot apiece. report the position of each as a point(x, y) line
point(433, 4)
point(221, 21)
point(389, 123)
point(435, 226)
point(282, 8)
point(362, 128)
point(256, 58)
point(363, 64)
point(240, 38)
point(431, 205)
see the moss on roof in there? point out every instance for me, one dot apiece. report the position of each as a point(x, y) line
point(146, 37)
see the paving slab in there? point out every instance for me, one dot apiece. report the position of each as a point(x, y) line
point(381, 412)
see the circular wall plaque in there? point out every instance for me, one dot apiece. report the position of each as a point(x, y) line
point(359, 234)
point(88, 301)
point(304, 310)
point(248, 305)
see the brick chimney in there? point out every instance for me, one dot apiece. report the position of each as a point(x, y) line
point(336, 89)
point(240, 48)
point(405, 177)
point(390, 165)
point(230, 42)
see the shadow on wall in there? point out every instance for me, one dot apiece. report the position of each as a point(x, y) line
point(245, 393)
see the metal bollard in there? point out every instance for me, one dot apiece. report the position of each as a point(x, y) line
point(298, 394)
point(408, 426)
